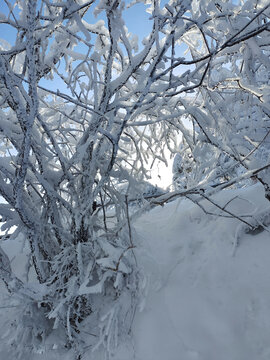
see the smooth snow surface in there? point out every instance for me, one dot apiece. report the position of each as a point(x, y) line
point(208, 297)
point(207, 300)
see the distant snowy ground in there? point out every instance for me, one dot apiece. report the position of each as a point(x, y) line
point(206, 298)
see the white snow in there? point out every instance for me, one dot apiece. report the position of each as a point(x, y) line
point(205, 299)
point(206, 302)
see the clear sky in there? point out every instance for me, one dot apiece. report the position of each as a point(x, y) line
point(136, 18)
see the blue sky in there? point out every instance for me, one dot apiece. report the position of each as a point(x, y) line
point(136, 18)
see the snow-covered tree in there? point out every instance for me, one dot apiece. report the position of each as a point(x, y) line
point(115, 107)
point(228, 113)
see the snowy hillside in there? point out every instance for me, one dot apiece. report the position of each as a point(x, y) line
point(208, 285)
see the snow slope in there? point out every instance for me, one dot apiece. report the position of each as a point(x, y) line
point(208, 295)
point(208, 299)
